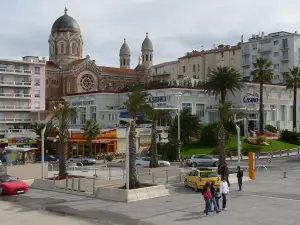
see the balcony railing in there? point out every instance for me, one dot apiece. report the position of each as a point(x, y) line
point(284, 58)
point(14, 108)
point(18, 131)
point(15, 71)
point(15, 95)
point(15, 84)
point(15, 120)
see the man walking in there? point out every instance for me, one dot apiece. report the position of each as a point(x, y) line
point(240, 174)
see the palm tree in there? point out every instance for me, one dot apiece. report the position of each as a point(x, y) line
point(91, 130)
point(154, 115)
point(293, 82)
point(136, 104)
point(225, 115)
point(223, 79)
point(38, 127)
point(262, 73)
point(63, 114)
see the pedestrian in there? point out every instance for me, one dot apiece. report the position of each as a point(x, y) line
point(225, 172)
point(207, 196)
point(240, 174)
point(224, 190)
point(215, 198)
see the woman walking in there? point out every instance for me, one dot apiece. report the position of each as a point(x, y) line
point(224, 190)
point(215, 199)
point(207, 196)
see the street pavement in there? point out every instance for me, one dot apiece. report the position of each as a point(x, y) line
point(270, 199)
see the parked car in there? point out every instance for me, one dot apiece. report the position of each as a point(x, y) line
point(10, 185)
point(82, 159)
point(47, 158)
point(202, 160)
point(145, 162)
point(197, 179)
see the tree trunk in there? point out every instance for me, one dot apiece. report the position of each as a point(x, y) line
point(223, 96)
point(62, 159)
point(91, 148)
point(221, 146)
point(261, 109)
point(154, 161)
point(295, 109)
point(133, 183)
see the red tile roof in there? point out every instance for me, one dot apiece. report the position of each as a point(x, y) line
point(117, 70)
point(51, 64)
point(164, 64)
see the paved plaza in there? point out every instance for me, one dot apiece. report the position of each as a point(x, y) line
point(270, 199)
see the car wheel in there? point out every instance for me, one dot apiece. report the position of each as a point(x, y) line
point(85, 162)
point(138, 164)
point(185, 183)
point(162, 164)
point(1, 190)
point(215, 164)
point(196, 189)
point(194, 164)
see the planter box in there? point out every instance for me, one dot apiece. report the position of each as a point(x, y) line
point(113, 192)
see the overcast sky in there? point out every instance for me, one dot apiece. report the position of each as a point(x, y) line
point(175, 26)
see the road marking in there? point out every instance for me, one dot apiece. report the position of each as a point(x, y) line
point(273, 197)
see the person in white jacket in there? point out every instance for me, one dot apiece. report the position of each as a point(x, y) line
point(224, 190)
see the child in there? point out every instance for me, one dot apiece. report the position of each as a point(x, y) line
point(207, 196)
point(240, 175)
point(224, 190)
point(215, 199)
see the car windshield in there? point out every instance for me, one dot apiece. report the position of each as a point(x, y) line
point(208, 174)
point(51, 157)
point(6, 178)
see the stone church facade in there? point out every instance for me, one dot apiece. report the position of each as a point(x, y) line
point(68, 73)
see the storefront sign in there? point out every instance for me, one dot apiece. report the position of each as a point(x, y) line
point(157, 99)
point(83, 103)
point(250, 98)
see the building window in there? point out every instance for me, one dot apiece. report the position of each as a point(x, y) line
point(37, 70)
point(124, 62)
point(74, 49)
point(109, 117)
point(213, 117)
point(198, 67)
point(37, 81)
point(285, 54)
point(285, 43)
point(82, 111)
point(93, 113)
point(73, 119)
point(147, 58)
point(68, 87)
point(276, 66)
point(254, 46)
point(37, 93)
point(155, 70)
point(185, 105)
point(200, 110)
point(254, 58)
point(282, 112)
point(150, 58)
point(127, 62)
point(183, 69)
point(276, 42)
point(246, 49)
point(222, 54)
point(62, 48)
point(102, 117)
point(233, 52)
point(273, 112)
point(37, 105)
point(276, 54)
point(194, 68)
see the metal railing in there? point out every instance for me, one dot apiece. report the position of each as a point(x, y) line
point(15, 71)
point(15, 83)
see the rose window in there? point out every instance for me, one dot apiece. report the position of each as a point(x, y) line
point(87, 82)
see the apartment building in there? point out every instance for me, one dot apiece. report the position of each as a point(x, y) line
point(22, 95)
point(197, 64)
point(281, 48)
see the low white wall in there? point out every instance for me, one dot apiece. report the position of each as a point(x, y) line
point(27, 171)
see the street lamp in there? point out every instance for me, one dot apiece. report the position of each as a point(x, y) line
point(43, 149)
point(127, 120)
point(178, 95)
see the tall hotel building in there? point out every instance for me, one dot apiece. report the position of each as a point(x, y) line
point(22, 95)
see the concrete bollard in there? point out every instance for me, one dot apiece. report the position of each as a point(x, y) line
point(153, 178)
point(78, 184)
point(284, 175)
point(72, 183)
point(94, 184)
point(67, 182)
point(167, 177)
point(109, 173)
point(280, 152)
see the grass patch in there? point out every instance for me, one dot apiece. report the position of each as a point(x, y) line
point(276, 145)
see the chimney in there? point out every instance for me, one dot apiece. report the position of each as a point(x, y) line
point(253, 35)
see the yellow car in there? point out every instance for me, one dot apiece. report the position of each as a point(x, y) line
point(198, 178)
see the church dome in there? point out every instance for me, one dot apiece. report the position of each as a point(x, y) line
point(124, 50)
point(147, 44)
point(65, 23)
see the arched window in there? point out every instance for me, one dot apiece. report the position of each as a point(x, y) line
point(150, 58)
point(146, 57)
point(69, 87)
point(127, 62)
point(124, 62)
point(74, 48)
point(62, 48)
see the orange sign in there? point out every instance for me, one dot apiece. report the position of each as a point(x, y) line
point(104, 134)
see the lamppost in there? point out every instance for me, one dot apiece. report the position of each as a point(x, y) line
point(43, 149)
point(178, 95)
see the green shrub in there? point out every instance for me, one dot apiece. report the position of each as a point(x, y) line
point(109, 158)
point(261, 139)
point(250, 148)
point(290, 137)
point(168, 151)
point(271, 128)
point(209, 135)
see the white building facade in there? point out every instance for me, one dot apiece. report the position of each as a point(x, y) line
point(281, 48)
point(22, 95)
